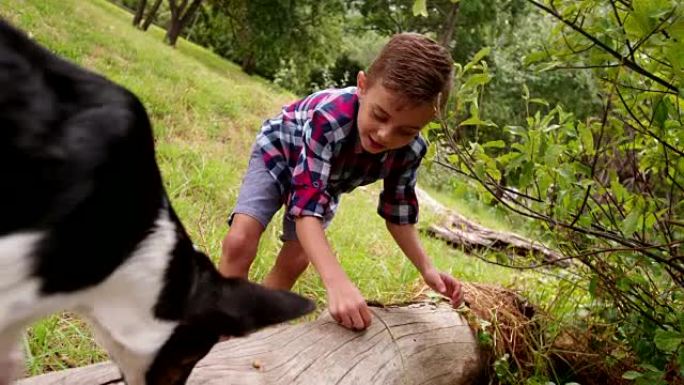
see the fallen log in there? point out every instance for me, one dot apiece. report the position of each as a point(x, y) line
point(421, 343)
point(463, 233)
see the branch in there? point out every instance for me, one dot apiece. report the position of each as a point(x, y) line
point(172, 7)
point(506, 189)
point(626, 61)
point(617, 17)
point(584, 67)
point(657, 27)
point(643, 129)
point(637, 88)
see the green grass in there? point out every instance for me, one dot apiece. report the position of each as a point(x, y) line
point(205, 113)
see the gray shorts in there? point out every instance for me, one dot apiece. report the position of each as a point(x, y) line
point(260, 197)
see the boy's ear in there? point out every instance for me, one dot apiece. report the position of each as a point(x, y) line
point(361, 82)
point(239, 307)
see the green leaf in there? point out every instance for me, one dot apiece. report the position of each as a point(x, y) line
point(587, 138)
point(480, 169)
point(473, 121)
point(552, 154)
point(478, 56)
point(667, 341)
point(624, 283)
point(535, 57)
point(618, 189)
point(549, 66)
point(526, 92)
point(420, 8)
point(650, 367)
point(539, 101)
point(680, 361)
point(660, 113)
point(527, 174)
point(495, 144)
point(477, 80)
point(633, 28)
point(631, 222)
point(631, 375)
point(431, 152)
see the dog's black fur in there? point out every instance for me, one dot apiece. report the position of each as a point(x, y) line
point(78, 166)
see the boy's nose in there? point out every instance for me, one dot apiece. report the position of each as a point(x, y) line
point(383, 135)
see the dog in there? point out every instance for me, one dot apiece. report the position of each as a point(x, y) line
point(86, 226)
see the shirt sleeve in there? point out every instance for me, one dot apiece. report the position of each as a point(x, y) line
point(310, 175)
point(398, 202)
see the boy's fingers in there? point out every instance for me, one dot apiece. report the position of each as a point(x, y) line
point(346, 321)
point(458, 295)
point(335, 315)
point(449, 281)
point(357, 320)
point(367, 317)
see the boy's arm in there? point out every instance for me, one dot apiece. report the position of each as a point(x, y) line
point(345, 302)
point(406, 236)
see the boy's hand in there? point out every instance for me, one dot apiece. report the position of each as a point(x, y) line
point(444, 284)
point(347, 306)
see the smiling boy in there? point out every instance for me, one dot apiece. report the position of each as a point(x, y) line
point(329, 143)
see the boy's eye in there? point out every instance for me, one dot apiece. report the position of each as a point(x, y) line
point(379, 118)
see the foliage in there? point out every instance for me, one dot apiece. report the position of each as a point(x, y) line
point(477, 23)
point(266, 36)
point(608, 189)
point(501, 99)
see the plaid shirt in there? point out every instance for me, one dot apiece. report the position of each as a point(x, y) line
point(314, 151)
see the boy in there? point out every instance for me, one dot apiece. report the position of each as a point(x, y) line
point(330, 143)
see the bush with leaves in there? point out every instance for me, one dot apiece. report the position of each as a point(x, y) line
point(608, 189)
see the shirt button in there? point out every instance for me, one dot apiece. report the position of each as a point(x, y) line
point(316, 184)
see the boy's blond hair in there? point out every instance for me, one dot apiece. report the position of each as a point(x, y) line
point(416, 67)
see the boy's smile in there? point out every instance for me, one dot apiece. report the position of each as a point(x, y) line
point(386, 120)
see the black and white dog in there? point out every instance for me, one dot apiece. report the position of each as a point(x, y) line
point(86, 226)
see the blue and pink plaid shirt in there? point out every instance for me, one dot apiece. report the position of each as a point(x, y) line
point(313, 150)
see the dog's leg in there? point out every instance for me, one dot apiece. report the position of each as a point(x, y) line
point(122, 310)
point(10, 355)
point(116, 351)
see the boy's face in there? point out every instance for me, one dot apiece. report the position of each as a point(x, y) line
point(387, 121)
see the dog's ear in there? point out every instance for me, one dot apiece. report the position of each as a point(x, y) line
point(236, 307)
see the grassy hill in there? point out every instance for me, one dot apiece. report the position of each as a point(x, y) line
point(205, 113)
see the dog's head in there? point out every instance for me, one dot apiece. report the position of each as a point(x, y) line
point(209, 306)
point(204, 306)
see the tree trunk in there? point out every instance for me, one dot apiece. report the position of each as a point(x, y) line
point(139, 11)
point(415, 344)
point(172, 33)
point(180, 16)
point(447, 31)
point(462, 233)
point(248, 63)
point(151, 15)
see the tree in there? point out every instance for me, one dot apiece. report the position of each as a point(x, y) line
point(139, 10)
point(151, 15)
point(395, 16)
point(283, 40)
point(181, 13)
